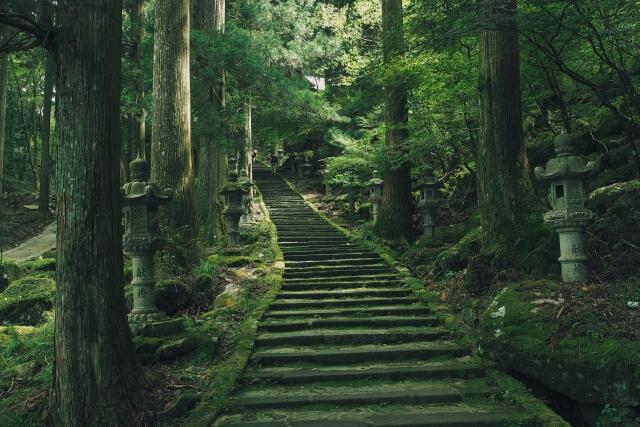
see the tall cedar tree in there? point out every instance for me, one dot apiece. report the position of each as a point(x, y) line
point(504, 185)
point(4, 75)
point(135, 123)
point(45, 156)
point(396, 208)
point(96, 378)
point(209, 16)
point(171, 156)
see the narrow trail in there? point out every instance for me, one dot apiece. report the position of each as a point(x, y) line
point(33, 247)
point(345, 345)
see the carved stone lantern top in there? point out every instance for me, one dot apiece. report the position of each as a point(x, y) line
point(565, 165)
point(141, 200)
point(234, 185)
point(375, 187)
point(375, 180)
point(566, 174)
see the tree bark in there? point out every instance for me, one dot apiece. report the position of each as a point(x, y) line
point(45, 157)
point(135, 9)
point(95, 374)
point(209, 16)
point(504, 186)
point(4, 74)
point(396, 208)
point(171, 155)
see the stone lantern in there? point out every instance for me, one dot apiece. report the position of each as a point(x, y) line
point(566, 174)
point(428, 203)
point(246, 183)
point(352, 194)
point(234, 192)
point(293, 159)
point(141, 200)
point(375, 194)
point(300, 164)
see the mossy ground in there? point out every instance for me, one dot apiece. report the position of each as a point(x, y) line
point(222, 329)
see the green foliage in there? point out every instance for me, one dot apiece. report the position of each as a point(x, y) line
point(26, 361)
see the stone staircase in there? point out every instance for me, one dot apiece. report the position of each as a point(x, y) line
point(345, 345)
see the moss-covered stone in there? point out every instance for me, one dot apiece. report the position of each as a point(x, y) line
point(520, 331)
point(455, 258)
point(172, 295)
point(9, 271)
point(25, 300)
point(44, 264)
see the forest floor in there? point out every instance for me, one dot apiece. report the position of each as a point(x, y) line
point(19, 223)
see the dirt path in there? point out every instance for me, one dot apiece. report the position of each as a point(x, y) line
point(34, 247)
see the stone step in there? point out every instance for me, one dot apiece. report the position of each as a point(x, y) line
point(345, 293)
point(403, 310)
point(350, 336)
point(341, 249)
point(318, 272)
point(282, 304)
point(314, 375)
point(351, 261)
point(319, 256)
point(358, 354)
point(423, 395)
point(362, 278)
point(393, 415)
point(347, 322)
point(321, 241)
point(330, 284)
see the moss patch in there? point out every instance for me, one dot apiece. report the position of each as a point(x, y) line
point(25, 300)
point(533, 328)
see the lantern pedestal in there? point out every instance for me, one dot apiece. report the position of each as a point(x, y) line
point(234, 192)
point(375, 195)
point(572, 257)
point(142, 239)
point(566, 174)
point(428, 203)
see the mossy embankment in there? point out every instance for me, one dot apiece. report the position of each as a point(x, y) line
point(577, 345)
point(191, 373)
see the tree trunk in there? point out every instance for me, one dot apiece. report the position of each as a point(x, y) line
point(209, 16)
point(172, 159)
point(4, 74)
point(135, 8)
point(96, 378)
point(396, 208)
point(45, 157)
point(504, 186)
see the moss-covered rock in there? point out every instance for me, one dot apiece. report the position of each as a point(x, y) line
point(527, 329)
point(25, 301)
point(9, 271)
point(455, 258)
point(173, 295)
point(44, 264)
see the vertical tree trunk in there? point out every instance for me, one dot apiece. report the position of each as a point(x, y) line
point(504, 187)
point(45, 157)
point(172, 160)
point(4, 74)
point(135, 8)
point(396, 209)
point(95, 375)
point(209, 16)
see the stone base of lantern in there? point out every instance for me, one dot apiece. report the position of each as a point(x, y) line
point(155, 327)
point(572, 257)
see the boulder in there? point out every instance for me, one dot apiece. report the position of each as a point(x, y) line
point(174, 349)
point(25, 301)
